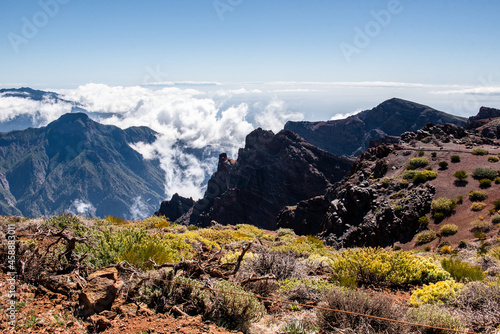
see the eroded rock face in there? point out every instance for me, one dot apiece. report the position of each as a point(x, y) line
point(366, 216)
point(271, 172)
point(175, 208)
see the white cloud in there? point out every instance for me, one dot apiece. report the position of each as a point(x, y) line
point(492, 90)
point(275, 115)
point(138, 209)
point(41, 112)
point(183, 83)
point(384, 84)
point(82, 208)
point(343, 116)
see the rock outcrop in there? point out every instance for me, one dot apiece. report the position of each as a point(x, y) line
point(352, 136)
point(175, 208)
point(486, 122)
point(271, 172)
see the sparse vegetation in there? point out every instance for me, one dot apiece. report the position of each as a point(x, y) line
point(419, 176)
point(419, 162)
point(478, 195)
point(477, 206)
point(484, 173)
point(479, 225)
point(443, 205)
point(462, 271)
point(448, 229)
point(426, 140)
point(493, 159)
point(455, 158)
point(495, 219)
point(433, 315)
point(443, 165)
point(485, 183)
point(479, 151)
point(423, 221)
point(425, 237)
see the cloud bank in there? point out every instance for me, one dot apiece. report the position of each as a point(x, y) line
point(193, 126)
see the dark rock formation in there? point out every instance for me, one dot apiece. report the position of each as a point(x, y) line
point(306, 217)
point(351, 136)
point(175, 208)
point(271, 172)
point(486, 122)
point(366, 216)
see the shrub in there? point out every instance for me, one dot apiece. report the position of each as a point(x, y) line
point(455, 158)
point(283, 265)
point(426, 140)
point(421, 153)
point(419, 162)
point(493, 159)
point(477, 195)
point(479, 151)
point(356, 301)
point(423, 221)
point(292, 327)
point(443, 165)
point(425, 237)
point(479, 303)
point(427, 249)
point(462, 271)
point(460, 199)
point(304, 290)
point(444, 205)
point(156, 221)
point(67, 221)
point(434, 293)
point(234, 311)
point(484, 173)
point(496, 204)
point(477, 206)
point(114, 220)
point(462, 244)
point(376, 265)
point(479, 226)
point(438, 215)
point(485, 183)
point(495, 219)
point(479, 235)
point(448, 229)
point(433, 315)
point(461, 175)
point(497, 180)
point(433, 154)
point(285, 231)
point(495, 253)
point(419, 176)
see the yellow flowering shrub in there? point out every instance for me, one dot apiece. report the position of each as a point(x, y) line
point(435, 293)
point(302, 245)
point(232, 256)
point(376, 265)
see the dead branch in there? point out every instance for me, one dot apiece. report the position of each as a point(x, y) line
point(255, 279)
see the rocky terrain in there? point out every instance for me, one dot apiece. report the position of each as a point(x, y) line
point(271, 171)
point(352, 136)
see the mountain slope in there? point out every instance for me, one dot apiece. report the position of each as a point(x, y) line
point(75, 163)
point(352, 136)
point(272, 171)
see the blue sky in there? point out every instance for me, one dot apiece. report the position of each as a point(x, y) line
point(123, 42)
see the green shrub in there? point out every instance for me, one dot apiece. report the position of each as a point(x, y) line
point(462, 244)
point(484, 173)
point(460, 199)
point(443, 165)
point(479, 226)
point(419, 176)
point(497, 180)
point(423, 221)
point(444, 205)
point(285, 231)
point(426, 140)
point(427, 249)
point(495, 219)
point(448, 229)
point(359, 302)
point(114, 220)
point(67, 221)
point(433, 315)
point(425, 237)
point(496, 204)
point(478, 195)
point(421, 153)
point(293, 327)
point(493, 159)
point(477, 206)
point(234, 311)
point(433, 154)
point(419, 162)
point(485, 183)
point(462, 271)
point(461, 175)
point(479, 151)
point(455, 158)
point(479, 235)
point(376, 265)
point(192, 228)
point(495, 252)
point(435, 293)
point(438, 215)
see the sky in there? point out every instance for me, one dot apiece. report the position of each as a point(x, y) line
point(207, 72)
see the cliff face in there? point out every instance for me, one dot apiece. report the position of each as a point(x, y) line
point(352, 136)
point(271, 172)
